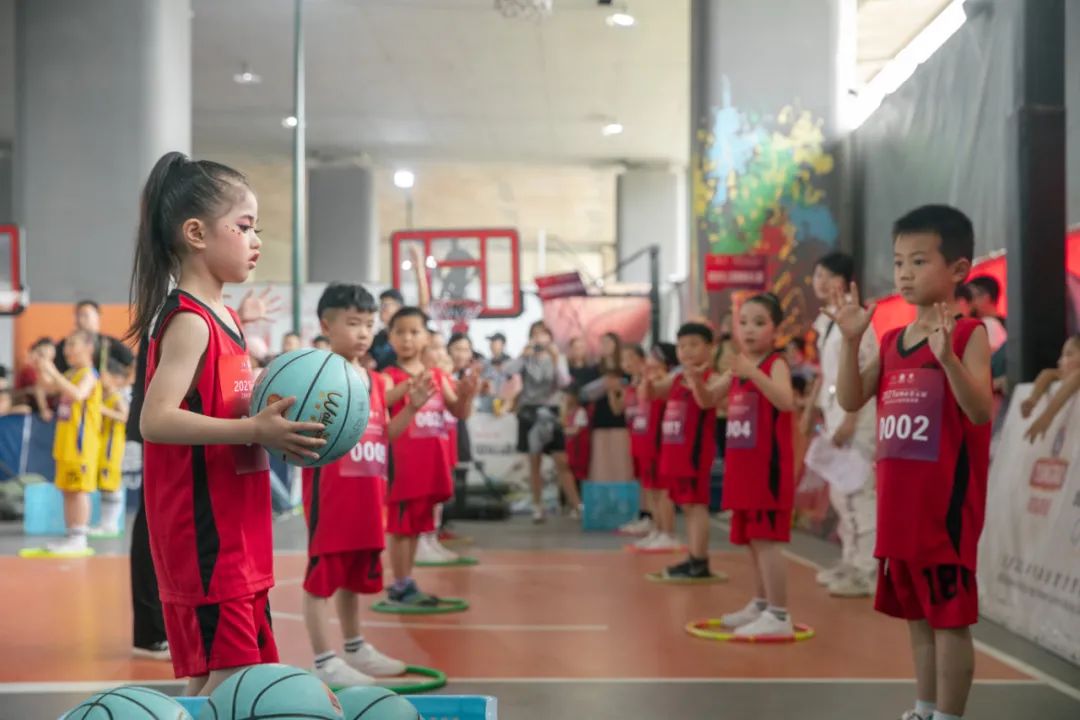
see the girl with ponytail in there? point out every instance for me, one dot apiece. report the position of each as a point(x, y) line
point(206, 480)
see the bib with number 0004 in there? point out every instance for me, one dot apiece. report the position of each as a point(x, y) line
point(430, 420)
point(673, 425)
point(237, 382)
point(742, 420)
point(368, 457)
point(909, 414)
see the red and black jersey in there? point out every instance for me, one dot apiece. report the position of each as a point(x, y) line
point(687, 434)
point(343, 501)
point(208, 506)
point(758, 457)
point(421, 455)
point(643, 418)
point(932, 461)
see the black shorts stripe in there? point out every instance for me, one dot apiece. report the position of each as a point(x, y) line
point(699, 439)
point(313, 513)
point(208, 617)
point(774, 455)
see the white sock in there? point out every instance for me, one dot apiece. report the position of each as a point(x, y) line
point(322, 658)
point(778, 612)
point(111, 509)
point(945, 716)
point(925, 709)
point(353, 644)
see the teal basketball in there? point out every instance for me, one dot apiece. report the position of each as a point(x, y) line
point(272, 691)
point(375, 703)
point(327, 389)
point(129, 703)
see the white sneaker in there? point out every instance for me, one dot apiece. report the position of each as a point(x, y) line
point(71, 544)
point(646, 542)
point(575, 513)
point(155, 651)
point(426, 552)
point(641, 526)
point(738, 619)
point(447, 554)
point(830, 575)
point(336, 674)
point(767, 626)
point(538, 515)
point(663, 541)
point(852, 585)
point(912, 715)
point(370, 661)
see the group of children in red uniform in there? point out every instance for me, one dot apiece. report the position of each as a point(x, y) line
point(207, 489)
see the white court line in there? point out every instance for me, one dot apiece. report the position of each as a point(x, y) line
point(88, 686)
point(1000, 655)
point(452, 626)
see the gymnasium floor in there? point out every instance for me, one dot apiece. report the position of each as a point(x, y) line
point(562, 625)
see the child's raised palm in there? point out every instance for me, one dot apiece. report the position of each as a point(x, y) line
point(851, 318)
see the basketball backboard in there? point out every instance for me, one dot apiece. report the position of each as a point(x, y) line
point(13, 293)
point(480, 265)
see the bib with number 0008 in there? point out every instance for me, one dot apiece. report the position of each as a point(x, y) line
point(742, 420)
point(237, 382)
point(909, 414)
point(368, 457)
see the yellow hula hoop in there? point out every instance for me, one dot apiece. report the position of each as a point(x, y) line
point(714, 629)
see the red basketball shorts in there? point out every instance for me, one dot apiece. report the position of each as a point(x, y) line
point(645, 470)
point(687, 490)
point(411, 517)
point(747, 525)
point(358, 571)
point(230, 634)
point(946, 596)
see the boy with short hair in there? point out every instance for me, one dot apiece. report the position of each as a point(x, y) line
point(934, 404)
point(421, 476)
point(78, 436)
point(114, 412)
point(688, 441)
point(343, 504)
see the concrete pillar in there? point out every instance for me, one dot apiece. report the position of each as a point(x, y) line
point(103, 90)
point(343, 235)
point(764, 114)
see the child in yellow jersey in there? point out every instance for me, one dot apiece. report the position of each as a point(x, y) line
point(78, 436)
point(114, 415)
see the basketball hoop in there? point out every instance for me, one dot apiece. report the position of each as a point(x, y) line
point(457, 311)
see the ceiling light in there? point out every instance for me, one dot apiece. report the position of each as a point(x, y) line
point(431, 262)
point(246, 77)
point(289, 122)
point(611, 128)
point(621, 19)
point(406, 265)
point(404, 179)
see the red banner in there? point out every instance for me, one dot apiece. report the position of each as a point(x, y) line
point(549, 287)
point(736, 272)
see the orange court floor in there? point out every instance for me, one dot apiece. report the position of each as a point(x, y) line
point(541, 615)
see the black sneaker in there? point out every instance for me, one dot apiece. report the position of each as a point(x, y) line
point(688, 570)
point(410, 596)
point(153, 651)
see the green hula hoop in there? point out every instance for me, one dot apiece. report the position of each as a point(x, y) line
point(460, 562)
point(715, 577)
point(435, 680)
point(446, 605)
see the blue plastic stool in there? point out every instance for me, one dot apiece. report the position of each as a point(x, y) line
point(609, 505)
point(43, 512)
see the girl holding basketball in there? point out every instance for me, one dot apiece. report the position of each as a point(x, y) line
point(206, 479)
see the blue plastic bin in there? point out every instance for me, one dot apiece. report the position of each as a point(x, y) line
point(609, 504)
point(431, 707)
point(43, 512)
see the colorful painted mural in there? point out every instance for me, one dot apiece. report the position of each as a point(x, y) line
point(761, 184)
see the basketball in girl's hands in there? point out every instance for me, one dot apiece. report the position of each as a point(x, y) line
point(272, 691)
point(129, 703)
point(375, 703)
point(328, 390)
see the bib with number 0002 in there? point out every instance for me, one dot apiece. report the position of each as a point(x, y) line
point(909, 414)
